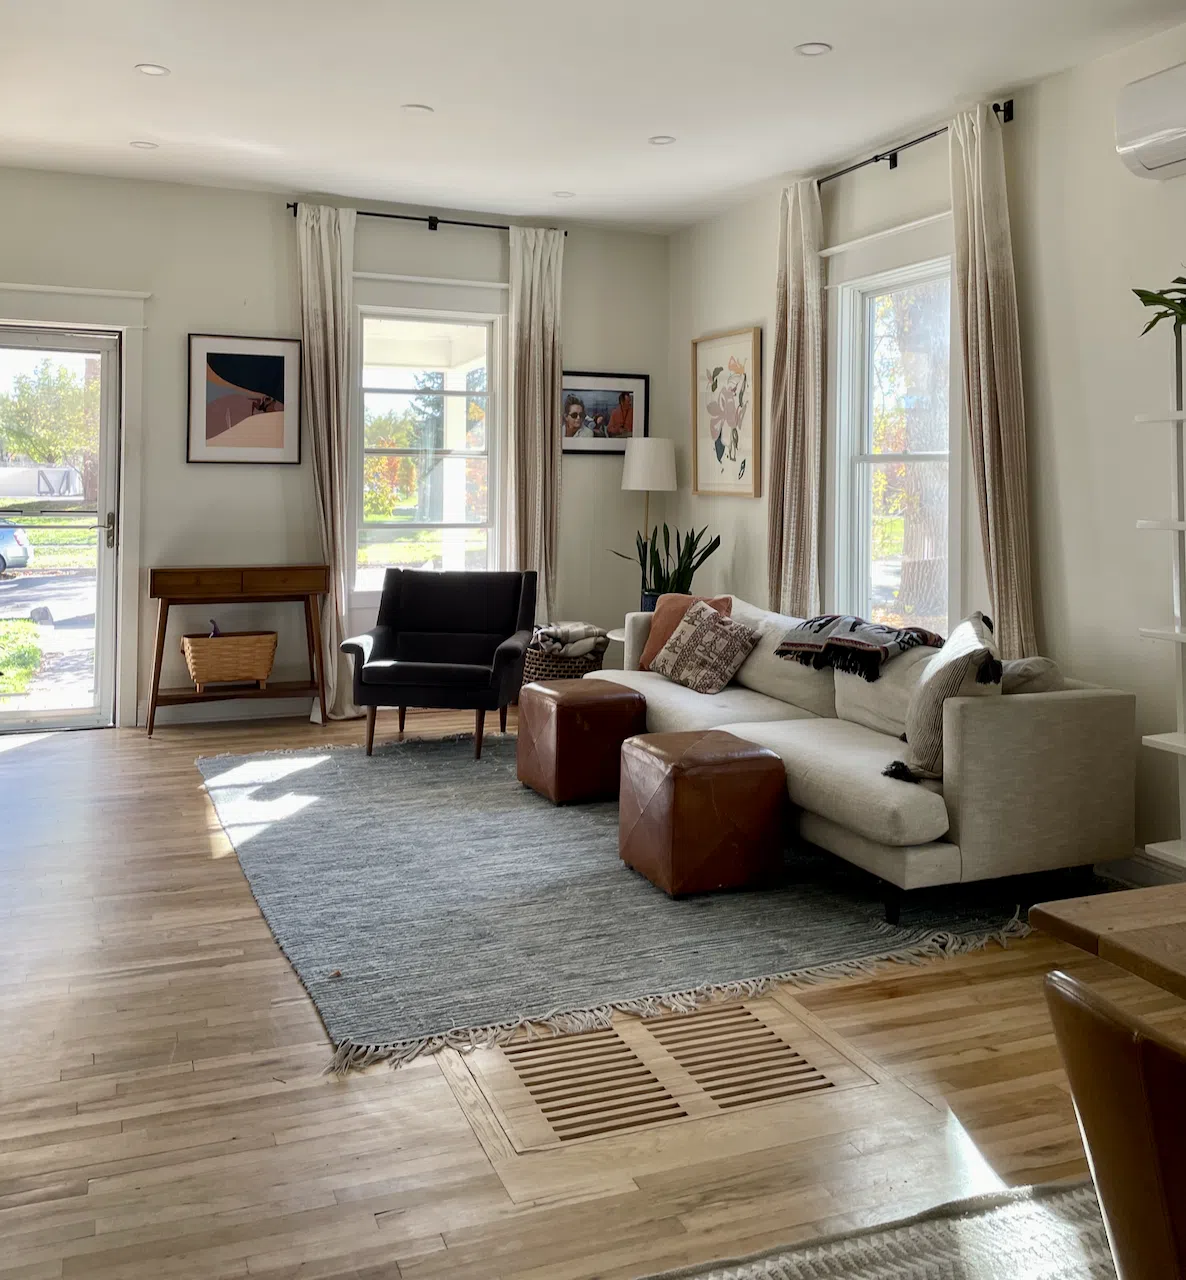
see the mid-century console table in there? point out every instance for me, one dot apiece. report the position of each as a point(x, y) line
point(243, 584)
point(1141, 930)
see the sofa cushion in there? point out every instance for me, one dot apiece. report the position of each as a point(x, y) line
point(834, 768)
point(1032, 675)
point(671, 707)
point(450, 675)
point(705, 650)
point(791, 682)
point(669, 613)
point(882, 704)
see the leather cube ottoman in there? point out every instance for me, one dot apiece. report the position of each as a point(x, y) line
point(570, 736)
point(701, 811)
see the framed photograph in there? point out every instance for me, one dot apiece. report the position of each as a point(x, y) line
point(244, 399)
point(727, 413)
point(601, 411)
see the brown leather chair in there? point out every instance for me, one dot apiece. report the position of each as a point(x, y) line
point(1129, 1086)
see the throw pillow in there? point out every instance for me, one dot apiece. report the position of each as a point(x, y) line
point(1032, 675)
point(705, 650)
point(966, 665)
point(669, 613)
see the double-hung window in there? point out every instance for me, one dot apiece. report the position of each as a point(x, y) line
point(893, 435)
point(428, 429)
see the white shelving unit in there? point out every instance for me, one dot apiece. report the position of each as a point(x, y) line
point(1172, 853)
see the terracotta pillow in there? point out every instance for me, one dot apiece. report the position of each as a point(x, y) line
point(669, 613)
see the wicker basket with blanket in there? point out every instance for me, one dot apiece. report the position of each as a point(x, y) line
point(564, 651)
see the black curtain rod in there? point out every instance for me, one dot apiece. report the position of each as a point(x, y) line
point(431, 220)
point(1002, 109)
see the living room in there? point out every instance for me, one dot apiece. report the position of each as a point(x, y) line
point(381, 386)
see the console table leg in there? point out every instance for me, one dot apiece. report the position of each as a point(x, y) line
point(162, 622)
point(315, 623)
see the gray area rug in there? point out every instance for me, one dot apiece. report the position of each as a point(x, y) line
point(1035, 1233)
point(425, 898)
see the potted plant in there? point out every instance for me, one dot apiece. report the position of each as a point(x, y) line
point(1171, 305)
point(664, 574)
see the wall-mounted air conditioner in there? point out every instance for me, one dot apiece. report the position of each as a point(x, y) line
point(1151, 124)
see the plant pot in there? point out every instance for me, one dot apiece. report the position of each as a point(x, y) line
point(648, 601)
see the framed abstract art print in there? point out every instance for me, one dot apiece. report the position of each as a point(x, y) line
point(244, 399)
point(727, 413)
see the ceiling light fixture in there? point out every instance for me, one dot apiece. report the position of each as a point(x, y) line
point(417, 108)
point(143, 145)
point(564, 195)
point(151, 69)
point(661, 140)
point(813, 49)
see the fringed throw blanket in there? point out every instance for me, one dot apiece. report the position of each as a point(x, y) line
point(570, 639)
point(851, 644)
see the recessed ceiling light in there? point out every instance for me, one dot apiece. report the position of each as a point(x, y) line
point(564, 195)
point(813, 49)
point(417, 108)
point(151, 69)
point(661, 140)
point(142, 145)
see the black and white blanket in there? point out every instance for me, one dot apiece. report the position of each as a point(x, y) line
point(851, 644)
point(570, 639)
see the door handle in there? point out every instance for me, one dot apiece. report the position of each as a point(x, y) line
point(110, 526)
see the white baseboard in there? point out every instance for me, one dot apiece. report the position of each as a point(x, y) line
point(1141, 871)
point(206, 712)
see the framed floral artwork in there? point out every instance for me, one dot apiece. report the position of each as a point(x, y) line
point(727, 413)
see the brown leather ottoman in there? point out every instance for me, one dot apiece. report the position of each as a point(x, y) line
point(701, 811)
point(570, 735)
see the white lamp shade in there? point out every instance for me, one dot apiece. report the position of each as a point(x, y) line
point(649, 464)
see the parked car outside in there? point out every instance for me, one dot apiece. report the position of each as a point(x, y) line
point(15, 550)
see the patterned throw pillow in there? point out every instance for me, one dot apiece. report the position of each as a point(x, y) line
point(967, 664)
point(669, 613)
point(705, 650)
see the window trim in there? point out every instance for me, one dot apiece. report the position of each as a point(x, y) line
point(851, 532)
point(495, 323)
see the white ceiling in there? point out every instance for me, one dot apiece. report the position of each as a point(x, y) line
point(531, 96)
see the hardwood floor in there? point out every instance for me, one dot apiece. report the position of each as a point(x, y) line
point(163, 1111)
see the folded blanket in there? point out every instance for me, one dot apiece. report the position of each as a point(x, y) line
point(570, 639)
point(851, 644)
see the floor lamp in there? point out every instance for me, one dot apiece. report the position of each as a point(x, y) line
point(649, 466)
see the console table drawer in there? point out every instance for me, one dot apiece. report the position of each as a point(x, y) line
point(183, 582)
point(311, 577)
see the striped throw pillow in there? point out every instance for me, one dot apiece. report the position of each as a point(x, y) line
point(967, 665)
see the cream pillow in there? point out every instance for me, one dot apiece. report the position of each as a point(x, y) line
point(705, 650)
point(882, 704)
point(967, 665)
point(791, 682)
point(1032, 675)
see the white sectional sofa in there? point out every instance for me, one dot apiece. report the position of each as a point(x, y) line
point(1032, 781)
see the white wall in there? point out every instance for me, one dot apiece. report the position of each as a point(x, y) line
point(221, 261)
point(1086, 231)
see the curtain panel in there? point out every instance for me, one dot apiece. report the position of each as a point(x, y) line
point(325, 266)
point(534, 426)
point(793, 550)
point(986, 304)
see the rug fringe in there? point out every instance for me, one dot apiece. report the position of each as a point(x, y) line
point(349, 1056)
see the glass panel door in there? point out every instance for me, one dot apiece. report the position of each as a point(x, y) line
point(59, 449)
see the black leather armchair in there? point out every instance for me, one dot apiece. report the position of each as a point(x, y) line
point(445, 640)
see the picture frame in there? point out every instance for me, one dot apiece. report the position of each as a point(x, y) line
point(244, 400)
point(612, 406)
point(727, 413)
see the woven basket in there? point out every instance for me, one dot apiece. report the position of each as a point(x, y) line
point(229, 658)
point(551, 666)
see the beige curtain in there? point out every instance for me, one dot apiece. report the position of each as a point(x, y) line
point(325, 265)
point(534, 427)
point(986, 304)
point(797, 407)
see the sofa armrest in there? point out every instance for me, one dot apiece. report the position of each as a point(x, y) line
point(1040, 780)
point(507, 674)
point(638, 628)
point(377, 643)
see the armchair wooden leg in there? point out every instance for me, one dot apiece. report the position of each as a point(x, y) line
point(403, 711)
point(370, 729)
point(479, 726)
point(502, 719)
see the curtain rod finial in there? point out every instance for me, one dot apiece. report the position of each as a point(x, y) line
point(292, 204)
point(1004, 110)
